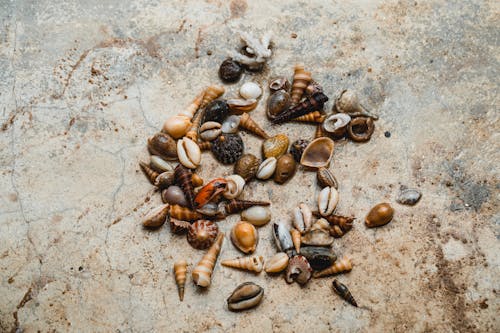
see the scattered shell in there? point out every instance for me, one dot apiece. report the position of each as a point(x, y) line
point(317, 237)
point(210, 192)
point(212, 209)
point(180, 269)
point(328, 199)
point(409, 196)
point(157, 217)
point(250, 90)
point(184, 213)
point(295, 234)
point(246, 122)
point(211, 93)
point(216, 111)
point(202, 273)
point(311, 104)
point(183, 178)
point(231, 124)
point(313, 117)
point(163, 145)
point(253, 264)
point(275, 146)
point(238, 105)
point(321, 224)
point(189, 153)
point(379, 215)
point(343, 292)
point(326, 178)
point(178, 226)
point(301, 79)
point(236, 206)
point(279, 83)
point(348, 102)
point(318, 257)
point(193, 106)
point(336, 124)
point(245, 237)
point(339, 225)
point(165, 179)
point(312, 88)
point(343, 265)
point(285, 168)
point(302, 217)
point(245, 296)
point(256, 215)
point(205, 145)
point(277, 263)
point(235, 185)
point(230, 70)
point(266, 169)
point(210, 130)
point(282, 237)
point(228, 148)
point(177, 126)
point(298, 270)
point(196, 180)
point(277, 103)
point(318, 153)
point(193, 131)
point(247, 166)
point(202, 234)
point(360, 129)
point(159, 164)
point(149, 172)
point(297, 149)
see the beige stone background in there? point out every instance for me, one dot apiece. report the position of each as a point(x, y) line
point(84, 83)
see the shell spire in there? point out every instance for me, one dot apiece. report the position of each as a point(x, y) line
point(184, 213)
point(253, 264)
point(249, 124)
point(205, 145)
point(301, 79)
point(343, 265)
point(296, 239)
point(202, 273)
point(313, 117)
point(149, 172)
point(320, 132)
point(235, 206)
point(211, 93)
point(180, 269)
point(193, 131)
point(313, 103)
point(193, 107)
point(183, 177)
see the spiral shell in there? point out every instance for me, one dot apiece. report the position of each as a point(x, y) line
point(267, 168)
point(297, 148)
point(379, 215)
point(320, 132)
point(285, 168)
point(228, 148)
point(343, 265)
point(163, 145)
point(193, 106)
point(279, 83)
point(216, 111)
point(157, 217)
point(256, 215)
point(250, 90)
point(245, 237)
point(247, 166)
point(193, 131)
point(234, 187)
point(180, 269)
point(183, 178)
point(210, 130)
point(202, 273)
point(310, 104)
point(301, 79)
point(211, 93)
point(246, 122)
point(296, 239)
point(318, 153)
point(202, 234)
point(205, 145)
point(326, 178)
point(239, 106)
point(336, 124)
point(275, 146)
point(343, 292)
point(277, 263)
point(177, 126)
point(252, 264)
point(150, 174)
point(277, 103)
point(348, 102)
point(184, 213)
point(189, 153)
point(236, 206)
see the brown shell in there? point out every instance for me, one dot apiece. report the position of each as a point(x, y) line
point(178, 226)
point(163, 145)
point(297, 148)
point(379, 215)
point(247, 166)
point(318, 153)
point(360, 129)
point(279, 83)
point(250, 125)
point(285, 168)
point(301, 79)
point(326, 178)
point(275, 146)
point(277, 103)
point(245, 237)
point(183, 178)
point(202, 234)
point(298, 270)
point(228, 148)
point(184, 213)
point(235, 206)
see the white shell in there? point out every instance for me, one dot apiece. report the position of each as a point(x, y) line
point(257, 215)
point(250, 90)
point(276, 263)
point(177, 126)
point(210, 130)
point(189, 153)
point(328, 199)
point(335, 121)
point(235, 185)
point(267, 168)
point(159, 164)
point(302, 217)
point(230, 125)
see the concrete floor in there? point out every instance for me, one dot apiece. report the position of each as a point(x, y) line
point(84, 83)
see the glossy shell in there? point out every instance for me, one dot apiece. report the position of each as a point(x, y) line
point(230, 125)
point(164, 179)
point(228, 148)
point(202, 234)
point(326, 178)
point(275, 146)
point(276, 263)
point(302, 217)
point(245, 296)
point(266, 169)
point(189, 153)
point(250, 90)
point(230, 71)
point(297, 148)
point(176, 126)
point(282, 237)
point(318, 257)
point(239, 105)
point(256, 215)
point(234, 187)
point(277, 103)
point(318, 153)
point(210, 130)
point(216, 111)
point(379, 215)
point(163, 145)
point(157, 217)
point(245, 237)
point(328, 199)
point(174, 196)
point(285, 169)
point(247, 166)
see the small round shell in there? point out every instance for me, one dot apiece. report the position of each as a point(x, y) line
point(234, 187)
point(318, 153)
point(250, 90)
point(328, 199)
point(202, 234)
point(210, 130)
point(277, 103)
point(279, 83)
point(379, 215)
point(267, 168)
point(177, 126)
point(230, 70)
point(216, 111)
point(336, 124)
point(277, 263)
point(163, 145)
point(256, 215)
point(230, 125)
point(285, 168)
point(245, 237)
point(275, 146)
point(247, 166)
point(297, 148)
point(228, 148)
point(189, 153)
point(174, 196)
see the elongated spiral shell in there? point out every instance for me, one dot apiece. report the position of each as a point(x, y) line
point(313, 117)
point(202, 273)
point(342, 265)
point(250, 125)
point(184, 213)
point(183, 178)
point(253, 264)
point(211, 93)
point(296, 239)
point(180, 269)
point(149, 172)
point(301, 79)
point(235, 206)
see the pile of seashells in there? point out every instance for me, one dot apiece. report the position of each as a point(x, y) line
point(193, 207)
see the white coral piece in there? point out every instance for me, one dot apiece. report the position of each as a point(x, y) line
point(259, 48)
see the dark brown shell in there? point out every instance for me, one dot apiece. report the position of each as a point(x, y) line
point(297, 148)
point(202, 234)
point(285, 168)
point(163, 145)
point(313, 103)
point(230, 70)
point(298, 270)
point(183, 178)
point(279, 83)
point(228, 148)
point(247, 166)
point(360, 129)
point(277, 103)
point(379, 215)
point(235, 206)
point(216, 111)
point(178, 226)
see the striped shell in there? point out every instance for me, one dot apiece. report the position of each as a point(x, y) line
point(202, 234)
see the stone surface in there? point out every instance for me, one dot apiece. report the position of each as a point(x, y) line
point(84, 83)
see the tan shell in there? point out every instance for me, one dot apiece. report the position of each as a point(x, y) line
point(277, 263)
point(379, 215)
point(202, 273)
point(328, 199)
point(211, 93)
point(326, 178)
point(267, 168)
point(296, 239)
point(150, 174)
point(245, 237)
point(157, 217)
point(193, 106)
point(302, 217)
point(256, 215)
point(234, 187)
point(275, 146)
point(177, 126)
point(342, 265)
point(247, 295)
point(348, 102)
point(196, 180)
point(192, 133)
point(285, 168)
point(247, 166)
point(301, 79)
point(210, 130)
point(180, 269)
point(336, 124)
point(313, 117)
point(317, 237)
point(189, 153)
point(159, 164)
point(239, 106)
point(163, 145)
point(253, 264)
point(250, 125)
point(318, 153)
point(183, 213)
point(320, 132)
point(321, 224)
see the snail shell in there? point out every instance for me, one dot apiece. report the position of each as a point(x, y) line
point(275, 146)
point(210, 130)
point(150, 174)
point(311, 104)
point(247, 166)
point(212, 209)
point(328, 199)
point(343, 265)
point(285, 168)
point(277, 263)
point(321, 224)
point(298, 270)
point(211, 93)
point(202, 234)
point(267, 168)
point(165, 179)
point(159, 164)
point(245, 237)
point(183, 178)
point(301, 79)
point(302, 217)
point(252, 264)
point(277, 103)
point(282, 237)
point(318, 153)
point(245, 296)
point(238, 105)
point(295, 239)
point(216, 111)
point(178, 226)
point(163, 145)
point(317, 237)
point(184, 213)
point(343, 292)
point(297, 148)
point(157, 217)
point(336, 124)
point(189, 153)
point(256, 215)
point(250, 90)
point(177, 126)
point(360, 129)
point(348, 102)
point(180, 269)
point(313, 117)
point(228, 148)
point(246, 122)
point(326, 178)
point(234, 187)
point(236, 206)
point(202, 273)
point(279, 83)
point(318, 257)
point(409, 196)
point(231, 124)
point(379, 215)
point(230, 70)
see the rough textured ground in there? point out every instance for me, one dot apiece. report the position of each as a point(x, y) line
point(83, 84)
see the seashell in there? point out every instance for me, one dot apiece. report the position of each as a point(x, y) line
point(247, 166)
point(328, 199)
point(343, 292)
point(196, 180)
point(235, 206)
point(180, 269)
point(192, 133)
point(210, 192)
point(282, 237)
point(205, 145)
point(336, 124)
point(266, 169)
point(277, 263)
point(246, 122)
point(235, 185)
point(211, 93)
point(277, 103)
point(313, 103)
point(339, 225)
point(210, 130)
point(149, 172)
point(183, 178)
point(279, 83)
point(230, 70)
point(189, 153)
point(285, 168)
point(312, 88)
point(295, 234)
point(343, 265)
point(212, 209)
point(159, 164)
point(318, 153)
point(245, 237)
point(238, 105)
point(301, 79)
point(348, 102)
point(202, 234)
point(409, 196)
point(298, 270)
point(163, 145)
point(178, 226)
point(297, 148)
point(275, 146)
point(320, 132)
point(202, 273)
point(256, 215)
point(228, 148)
point(326, 178)
point(231, 124)
point(302, 217)
point(360, 129)
point(245, 296)
point(313, 117)
point(165, 179)
point(184, 213)
point(379, 215)
point(253, 264)
point(317, 237)
point(177, 126)
point(318, 257)
point(216, 111)
point(321, 224)
point(156, 218)
point(193, 106)
point(250, 90)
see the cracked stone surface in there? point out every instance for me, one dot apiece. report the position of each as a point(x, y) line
point(83, 84)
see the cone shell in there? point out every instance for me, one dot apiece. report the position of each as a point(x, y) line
point(202, 273)
point(301, 79)
point(180, 269)
point(277, 263)
point(250, 125)
point(149, 172)
point(211, 93)
point(313, 117)
point(236, 206)
point(196, 180)
point(275, 146)
point(245, 237)
point(193, 107)
point(247, 166)
point(192, 133)
point(342, 265)
point(296, 239)
point(183, 178)
point(156, 218)
point(252, 264)
point(184, 213)
point(202, 234)
point(177, 126)
point(318, 153)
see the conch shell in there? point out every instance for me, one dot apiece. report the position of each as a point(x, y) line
point(202, 273)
